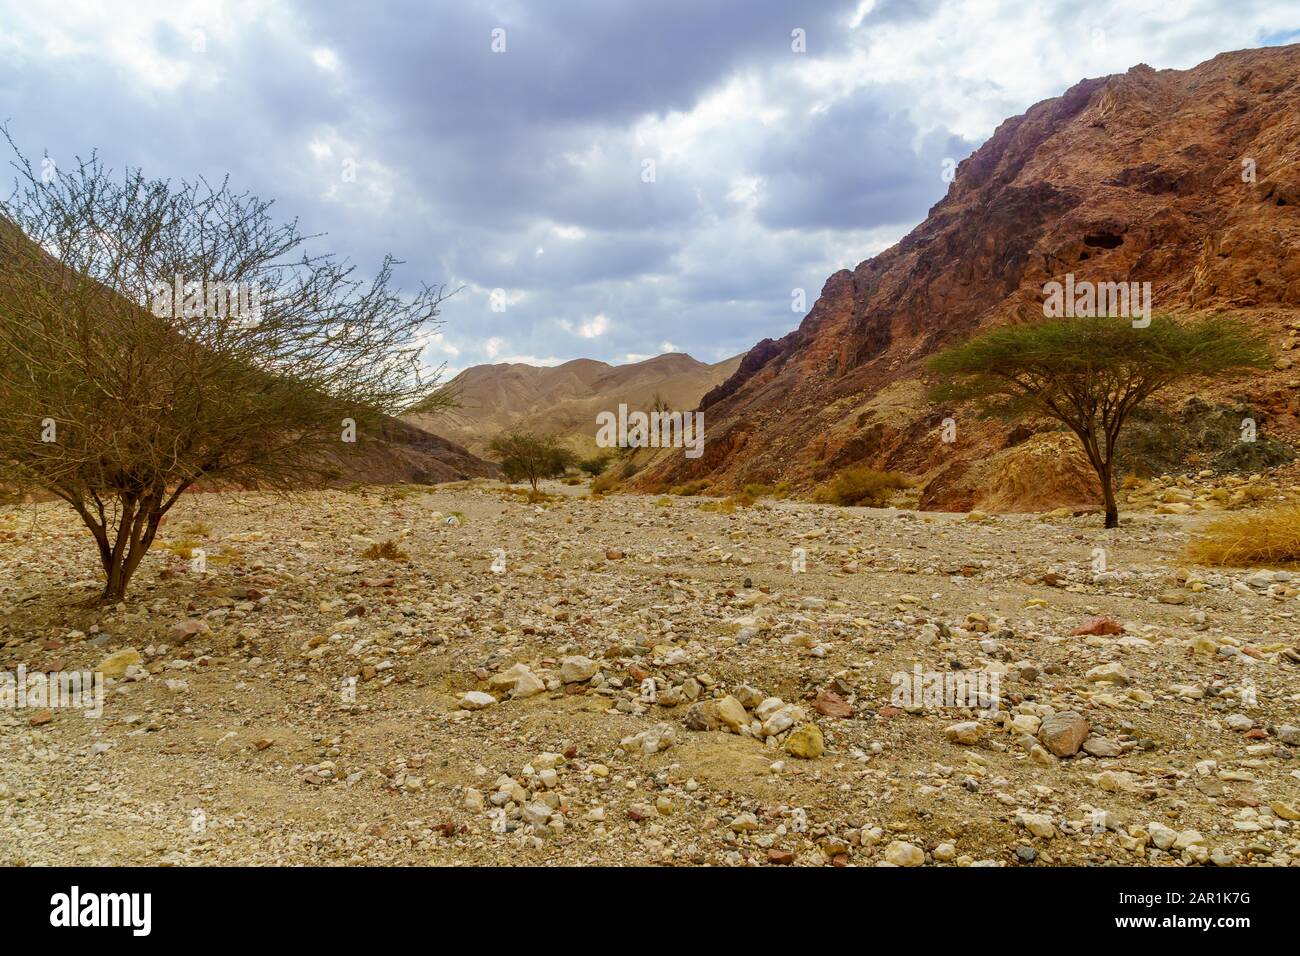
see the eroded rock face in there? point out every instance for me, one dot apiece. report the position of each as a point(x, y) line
point(1086, 183)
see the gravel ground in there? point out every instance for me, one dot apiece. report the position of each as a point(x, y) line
point(300, 703)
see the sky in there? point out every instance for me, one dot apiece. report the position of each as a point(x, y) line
point(606, 179)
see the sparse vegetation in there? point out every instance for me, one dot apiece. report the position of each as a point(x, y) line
point(531, 495)
point(183, 548)
point(595, 464)
point(1259, 538)
point(860, 485)
point(155, 335)
point(602, 484)
point(724, 506)
point(386, 551)
point(1090, 373)
point(690, 489)
point(526, 456)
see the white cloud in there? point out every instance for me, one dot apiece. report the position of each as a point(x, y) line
point(591, 328)
point(326, 59)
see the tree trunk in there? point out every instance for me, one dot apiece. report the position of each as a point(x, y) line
point(135, 534)
point(1103, 467)
point(1108, 495)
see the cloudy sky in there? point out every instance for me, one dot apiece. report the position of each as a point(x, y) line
point(604, 178)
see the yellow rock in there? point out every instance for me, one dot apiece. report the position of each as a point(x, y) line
point(1287, 811)
point(115, 665)
point(806, 743)
point(732, 713)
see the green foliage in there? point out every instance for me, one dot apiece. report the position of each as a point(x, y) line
point(1090, 373)
point(1061, 362)
point(595, 464)
point(525, 456)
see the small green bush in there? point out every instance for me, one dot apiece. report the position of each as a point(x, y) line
point(860, 485)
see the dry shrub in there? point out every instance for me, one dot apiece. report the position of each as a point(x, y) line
point(1247, 495)
point(388, 551)
point(604, 483)
point(860, 485)
point(690, 489)
point(183, 548)
point(527, 494)
point(1270, 536)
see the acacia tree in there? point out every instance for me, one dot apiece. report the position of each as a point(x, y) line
point(529, 457)
point(1090, 373)
point(154, 336)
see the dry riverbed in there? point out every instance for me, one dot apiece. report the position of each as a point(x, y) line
point(639, 681)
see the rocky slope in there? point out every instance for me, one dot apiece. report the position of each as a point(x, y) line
point(1144, 176)
point(565, 399)
point(407, 453)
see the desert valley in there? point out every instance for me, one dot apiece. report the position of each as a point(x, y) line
point(948, 580)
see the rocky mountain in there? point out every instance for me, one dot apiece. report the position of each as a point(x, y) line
point(406, 453)
point(1189, 180)
point(565, 399)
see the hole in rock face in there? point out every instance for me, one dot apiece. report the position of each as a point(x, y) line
point(1103, 240)
point(1281, 201)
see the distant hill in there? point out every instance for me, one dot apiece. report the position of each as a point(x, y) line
point(564, 399)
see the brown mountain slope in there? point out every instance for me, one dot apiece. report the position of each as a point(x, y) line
point(401, 452)
point(565, 399)
point(405, 452)
point(1131, 177)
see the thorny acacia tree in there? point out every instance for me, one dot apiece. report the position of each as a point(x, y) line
point(118, 400)
point(1090, 373)
point(528, 457)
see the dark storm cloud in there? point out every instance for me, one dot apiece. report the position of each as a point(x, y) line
point(394, 127)
point(857, 162)
point(566, 61)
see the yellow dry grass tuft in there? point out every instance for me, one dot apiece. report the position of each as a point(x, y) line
point(1270, 536)
point(183, 548)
